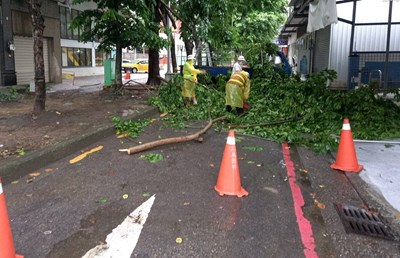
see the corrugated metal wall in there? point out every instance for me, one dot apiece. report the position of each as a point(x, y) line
point(366, 38)
point(373, 38)
point(321, 49)
point(24, 60)
point(339, 53)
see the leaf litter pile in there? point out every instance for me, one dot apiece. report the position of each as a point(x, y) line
point(283, 108)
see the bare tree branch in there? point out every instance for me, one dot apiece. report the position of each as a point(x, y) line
point(180, 139)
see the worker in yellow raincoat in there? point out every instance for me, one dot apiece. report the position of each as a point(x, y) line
point(237, 92)
point(190, 81)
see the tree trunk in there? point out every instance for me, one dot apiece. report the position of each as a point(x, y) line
point(154, 67)
point(198, 52)
point(37, 33)
point(173, 55)
point(188, 46)
point(211, 55)
point(118, 66)
point(154, 56)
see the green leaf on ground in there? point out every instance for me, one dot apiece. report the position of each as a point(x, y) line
point(130, 127)
point(101, 200)
point(146, 194)
point(20, 152)
point(238, 138)
point(252, 148)
point(152, 157)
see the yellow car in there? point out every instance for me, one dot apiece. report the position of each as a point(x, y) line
point(140, 65)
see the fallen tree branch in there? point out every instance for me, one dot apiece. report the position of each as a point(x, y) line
point(128, 83)
point(268, 123)
point(179, 139)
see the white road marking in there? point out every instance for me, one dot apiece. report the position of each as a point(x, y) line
point(123, 239)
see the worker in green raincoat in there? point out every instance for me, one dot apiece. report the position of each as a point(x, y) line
point(237, 92)
point(190, 81)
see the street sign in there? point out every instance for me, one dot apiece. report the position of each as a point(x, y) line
point(281, 42)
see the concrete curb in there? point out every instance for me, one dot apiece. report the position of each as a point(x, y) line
point(20, 167)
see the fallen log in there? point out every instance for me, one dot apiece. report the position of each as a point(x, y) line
point(166, 141)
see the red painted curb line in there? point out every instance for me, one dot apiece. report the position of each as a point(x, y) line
point(305, 228)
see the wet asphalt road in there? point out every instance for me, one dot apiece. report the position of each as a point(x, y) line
point(70, 208)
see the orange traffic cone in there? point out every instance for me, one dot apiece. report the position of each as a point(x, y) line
point(6, 242)
point(346, 159)
point(229, 178)
point(128, 75)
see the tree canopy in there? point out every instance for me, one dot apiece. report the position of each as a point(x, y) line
point(227, 24)
point(127, 22)
point(119, 24)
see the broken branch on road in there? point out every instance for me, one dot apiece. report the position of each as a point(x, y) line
point(179, 139)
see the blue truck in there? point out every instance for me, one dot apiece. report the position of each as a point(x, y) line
point(213, 71)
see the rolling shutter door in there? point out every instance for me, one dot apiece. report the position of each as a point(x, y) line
point(24, 61)
point(46, 59)
point(321, 54)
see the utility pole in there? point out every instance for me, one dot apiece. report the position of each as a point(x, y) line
point(386, 72)
point(169, 48)
point(8, 76)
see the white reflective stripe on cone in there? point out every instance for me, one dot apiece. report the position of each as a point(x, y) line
point(230, 140)
point(1, 189)
point(346, 127)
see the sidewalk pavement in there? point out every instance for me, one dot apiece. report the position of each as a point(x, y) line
point(90, 83)
point(381, 170)
point(94, 82)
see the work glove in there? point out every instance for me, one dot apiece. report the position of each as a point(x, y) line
point(246, 105)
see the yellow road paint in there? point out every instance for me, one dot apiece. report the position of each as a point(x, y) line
point(122, 135)
point(83, 155)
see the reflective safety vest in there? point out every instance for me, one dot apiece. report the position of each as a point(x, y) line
point(238, 79)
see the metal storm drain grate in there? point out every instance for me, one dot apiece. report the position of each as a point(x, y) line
point(359, 221)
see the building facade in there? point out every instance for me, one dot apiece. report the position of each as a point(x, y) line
point(363, 45)
point(62, 52)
